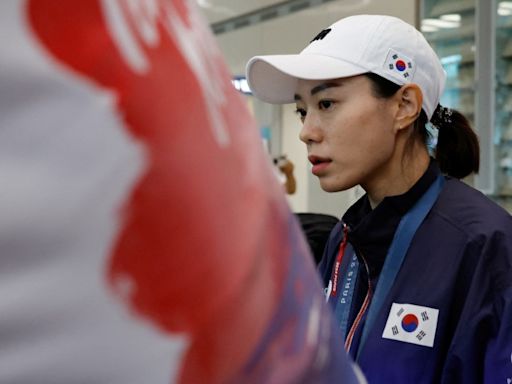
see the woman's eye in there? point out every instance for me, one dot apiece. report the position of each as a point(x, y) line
point(325, 104)
point(301, 112)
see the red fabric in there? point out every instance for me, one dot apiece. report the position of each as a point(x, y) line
point(201, 235)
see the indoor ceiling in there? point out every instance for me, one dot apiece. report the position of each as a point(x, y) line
point(219, 10)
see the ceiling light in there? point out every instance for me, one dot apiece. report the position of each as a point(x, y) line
point(453, 59)
point(204, 3)
point(241, 84)
point(504, 12)
point(451, 17)
point(441, 23)
point(428, 28)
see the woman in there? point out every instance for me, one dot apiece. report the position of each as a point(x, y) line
point(419, 270)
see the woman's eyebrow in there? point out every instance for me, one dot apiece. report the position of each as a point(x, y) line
point(317, 89)
point(323, 86)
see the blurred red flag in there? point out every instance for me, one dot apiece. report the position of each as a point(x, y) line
point(140, 210)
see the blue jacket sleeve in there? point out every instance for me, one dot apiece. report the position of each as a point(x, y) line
point(498, 356)
point(481, 349)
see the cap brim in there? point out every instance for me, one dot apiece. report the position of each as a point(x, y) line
point(274, 78)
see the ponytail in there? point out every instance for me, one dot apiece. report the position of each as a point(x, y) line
point(458, 151)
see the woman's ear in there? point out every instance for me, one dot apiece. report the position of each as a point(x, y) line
point(410, 100)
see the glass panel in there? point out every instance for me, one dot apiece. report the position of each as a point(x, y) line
point(449, 26)
point(503, 137)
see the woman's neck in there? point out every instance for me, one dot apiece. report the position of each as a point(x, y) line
point(399, 176)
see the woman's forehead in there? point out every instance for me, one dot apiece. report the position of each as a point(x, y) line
point(307, 88)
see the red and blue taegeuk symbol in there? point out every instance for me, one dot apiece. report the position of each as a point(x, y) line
point(410, 323)
point(400, 65)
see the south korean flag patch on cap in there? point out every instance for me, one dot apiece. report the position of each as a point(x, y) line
point(400, 65)
point(412, 324)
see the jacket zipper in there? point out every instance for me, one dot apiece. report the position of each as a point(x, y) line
point(362, 310)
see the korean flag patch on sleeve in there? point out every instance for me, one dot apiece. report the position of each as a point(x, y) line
point(411, 323)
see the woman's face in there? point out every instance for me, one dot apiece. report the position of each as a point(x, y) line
point(349, 132)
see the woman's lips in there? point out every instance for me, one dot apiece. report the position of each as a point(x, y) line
point(319, 164)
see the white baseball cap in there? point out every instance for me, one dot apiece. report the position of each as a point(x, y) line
point(384, 45)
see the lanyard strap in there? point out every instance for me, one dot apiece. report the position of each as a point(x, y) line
point(340, 290)
point(343, 301)
point(396, 254)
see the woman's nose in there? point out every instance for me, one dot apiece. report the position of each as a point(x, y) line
point(311, 131)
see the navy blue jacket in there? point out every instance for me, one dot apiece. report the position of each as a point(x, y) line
point(459, 263)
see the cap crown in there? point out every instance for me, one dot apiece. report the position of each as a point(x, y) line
point(387, 46)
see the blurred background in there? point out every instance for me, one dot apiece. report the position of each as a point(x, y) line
point(472, 38)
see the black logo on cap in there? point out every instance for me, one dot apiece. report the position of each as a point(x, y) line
point(321, 35)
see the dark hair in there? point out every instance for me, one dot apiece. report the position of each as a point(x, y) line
point(458, 150)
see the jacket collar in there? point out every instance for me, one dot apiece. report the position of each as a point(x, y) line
point(371, 231)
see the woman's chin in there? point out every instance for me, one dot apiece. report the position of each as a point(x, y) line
point(329, 186)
